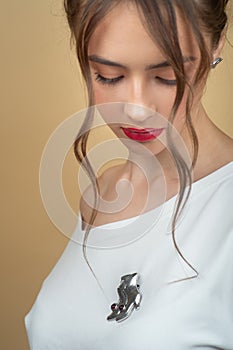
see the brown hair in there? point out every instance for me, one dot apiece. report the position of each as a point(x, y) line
point(159, 19)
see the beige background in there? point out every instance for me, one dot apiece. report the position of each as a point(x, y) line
point(40, 88)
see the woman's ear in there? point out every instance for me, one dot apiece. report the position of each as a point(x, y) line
point(218, 50)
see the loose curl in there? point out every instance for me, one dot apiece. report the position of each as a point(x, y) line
point(159, 19)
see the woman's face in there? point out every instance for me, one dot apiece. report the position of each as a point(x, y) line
point(128, 67)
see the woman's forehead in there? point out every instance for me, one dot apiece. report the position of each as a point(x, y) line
point(121, 33)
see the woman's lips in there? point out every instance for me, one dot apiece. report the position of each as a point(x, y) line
point(142, 135)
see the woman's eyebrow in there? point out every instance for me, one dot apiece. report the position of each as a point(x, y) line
point(101, 60)
point(106, 62)
point(167, 64)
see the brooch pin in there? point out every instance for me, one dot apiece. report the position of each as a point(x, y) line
point(129, 298)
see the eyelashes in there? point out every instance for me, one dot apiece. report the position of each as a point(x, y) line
point(107, 81)
point(169, 82)
point(113, 81)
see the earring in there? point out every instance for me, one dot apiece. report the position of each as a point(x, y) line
point(216, 62)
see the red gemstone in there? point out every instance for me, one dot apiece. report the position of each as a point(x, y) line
point(113, 306)
point(121, 307)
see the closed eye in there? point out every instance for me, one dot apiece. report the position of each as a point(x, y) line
point(107, 81)
point(170, 82)
point(112, 81)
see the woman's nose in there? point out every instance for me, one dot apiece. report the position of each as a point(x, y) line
point(137, 113)
point(138, 107)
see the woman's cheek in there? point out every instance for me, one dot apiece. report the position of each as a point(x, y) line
point(99, 96)
point(105, 95)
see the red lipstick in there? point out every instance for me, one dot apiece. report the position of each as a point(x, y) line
point(142, 135)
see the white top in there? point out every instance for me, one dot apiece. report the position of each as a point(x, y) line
point(71, 309)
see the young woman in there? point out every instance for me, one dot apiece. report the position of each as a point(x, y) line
point(164, 279)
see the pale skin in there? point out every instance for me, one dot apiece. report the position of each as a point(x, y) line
point(117, 39)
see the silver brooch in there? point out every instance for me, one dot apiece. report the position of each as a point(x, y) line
point(129, 298)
